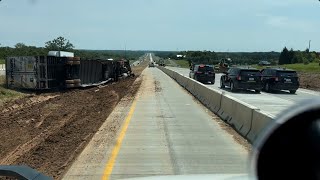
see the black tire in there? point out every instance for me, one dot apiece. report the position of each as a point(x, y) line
point(293, 91)
point(267, 87)
point(222, 84)
point(73, 81)
point(232, 88)
point(73, 58)
point(70, 85)
point(77, 84)
point(76, 62)
point(257, 91)
point(70, 81)
point(69, 62)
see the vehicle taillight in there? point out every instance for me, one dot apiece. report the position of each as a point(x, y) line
point(239, 78)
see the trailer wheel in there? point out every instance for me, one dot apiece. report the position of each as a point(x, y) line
point(70, 85)
point(69, 62)
point(73, 81)
point(76, 62)
point(73, 58)
point(77, 81)
point(77, 85)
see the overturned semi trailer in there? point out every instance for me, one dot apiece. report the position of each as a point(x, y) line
point(50, 72)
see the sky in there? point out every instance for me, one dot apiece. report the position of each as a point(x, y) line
point(174, 25)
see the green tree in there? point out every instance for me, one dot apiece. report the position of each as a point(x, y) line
point(284, 56)
point(59, 44)
point(20, 46)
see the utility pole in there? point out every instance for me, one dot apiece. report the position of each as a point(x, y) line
point(309, 45)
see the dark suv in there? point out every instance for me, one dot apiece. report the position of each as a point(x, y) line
point(280, 79)
point(203, 73)
point(242, 78)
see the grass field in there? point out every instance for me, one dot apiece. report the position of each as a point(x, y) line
point(7, 94)
point(182, 63)
point(2, 61)
point(311, 67)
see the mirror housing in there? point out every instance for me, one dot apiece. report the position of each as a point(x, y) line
point(289, 148)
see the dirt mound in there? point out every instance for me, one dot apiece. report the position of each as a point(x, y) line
point(310, 81)
point(48, 131)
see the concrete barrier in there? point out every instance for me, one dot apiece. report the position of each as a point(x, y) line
point(190, 86)
point(260, 121)
point(181, 79)
point(214, 98)
point(248, 120)
point(238, 114)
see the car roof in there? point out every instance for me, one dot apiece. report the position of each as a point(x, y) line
point(244, 68)
point(280, 69)
point(204, 65)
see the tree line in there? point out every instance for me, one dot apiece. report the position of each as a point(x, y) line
point(211, 57)
point(245, 58)
point(62, 44)
point(293, 57)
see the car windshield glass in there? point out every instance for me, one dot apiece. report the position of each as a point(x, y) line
point(250, 72)
point(205, 69)
point(287, 73)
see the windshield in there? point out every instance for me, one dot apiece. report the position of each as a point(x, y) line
point(250, 72)
point(121, 89)
point(287, 73)
point(205, 69)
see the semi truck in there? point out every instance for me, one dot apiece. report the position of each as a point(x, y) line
point(61, 70)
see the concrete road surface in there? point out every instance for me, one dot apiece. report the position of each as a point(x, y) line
point(166, 132)
point(273, 103)
point(170, 133)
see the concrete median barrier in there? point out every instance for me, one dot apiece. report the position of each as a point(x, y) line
point(190, 86)
point(237, 113)
point(214, 97)
point(248, 120)
point(181, 79)
point(260, 121)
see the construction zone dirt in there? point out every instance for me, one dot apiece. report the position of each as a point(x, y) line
point(48, 131)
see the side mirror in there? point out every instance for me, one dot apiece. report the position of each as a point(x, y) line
point(289, 148)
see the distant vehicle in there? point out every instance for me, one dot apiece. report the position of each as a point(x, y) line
point(242, 78)
point(203, 73)
point(151, 64)
point(162, 63)
point(223, 65)
point(264, 63)
point(280, 79)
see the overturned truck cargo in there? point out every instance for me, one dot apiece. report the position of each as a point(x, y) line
point(50, 72)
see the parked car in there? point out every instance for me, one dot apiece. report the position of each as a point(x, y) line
point(280, 79)
point(203, 73)
point(242, 78)
point(264, 63)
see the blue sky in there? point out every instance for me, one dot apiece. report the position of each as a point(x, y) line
point(219, 25)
